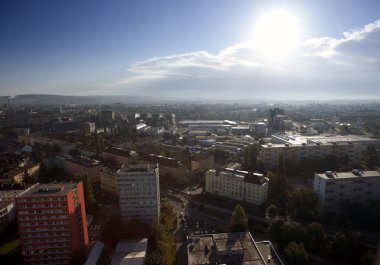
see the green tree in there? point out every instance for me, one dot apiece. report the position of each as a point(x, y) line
point(250, 157)
point(238, 221)
point(315, 238)
point(296, 254)
point(303, 203)
point(347, 248)
point(282, 232)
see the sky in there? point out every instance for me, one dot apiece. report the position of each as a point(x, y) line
point(199, 49)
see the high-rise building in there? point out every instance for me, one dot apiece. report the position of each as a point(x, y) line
point(275, 119)
point(139, 192)
point(52, 223)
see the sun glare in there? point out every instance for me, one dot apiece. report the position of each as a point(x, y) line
point(277, 34)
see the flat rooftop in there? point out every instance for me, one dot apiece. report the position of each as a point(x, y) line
point(351, 174)
point(323, 138)
point(250, 177)
point(137, 168)
point(50, 189)
point(130, 252)
point(225, 248)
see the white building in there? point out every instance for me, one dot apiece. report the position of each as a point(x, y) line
point(139, 192)
point(332, 188)
point(295, 153)
point(239, 185)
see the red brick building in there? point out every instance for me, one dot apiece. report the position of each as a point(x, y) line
point(52, 223)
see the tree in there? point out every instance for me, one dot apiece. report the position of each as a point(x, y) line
point(75, 153)
point(250, 157)
point(372, 161)
point(315, 238)
point(28, 178)
point(238, 221)
point(296, 254)
point(302, 204)
point(347, 248)
point(272, 211)
point(282, 233)
point(113, 230)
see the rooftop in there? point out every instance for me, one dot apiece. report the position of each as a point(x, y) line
point(117, 151)
point(162, 160)
point(225, 248)
point(249, 177)
point(137, 168)
point(130, 252)
point(323, 138)
point(50, 189)
point(356, 173)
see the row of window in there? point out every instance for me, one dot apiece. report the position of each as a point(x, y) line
point(41, 205)
point(41, 199)
point(44, 223)
point(43, 211)
point(41, 229)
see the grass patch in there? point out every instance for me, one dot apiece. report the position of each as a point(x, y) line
point(5, 249)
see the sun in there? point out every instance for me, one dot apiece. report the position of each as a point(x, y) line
point(276, 34)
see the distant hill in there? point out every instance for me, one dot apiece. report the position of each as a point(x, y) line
point(40, 99)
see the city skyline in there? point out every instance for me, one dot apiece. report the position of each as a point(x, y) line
point(192, 50)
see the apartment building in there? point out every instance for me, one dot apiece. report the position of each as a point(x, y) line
point(81, 166)
point(52, 223)
point(295, 153)
point(139, 192)
point(120, 156)
point(238, 185)
point(17, 175)
point(168, 165)
point(332, 188)
point(202, 162)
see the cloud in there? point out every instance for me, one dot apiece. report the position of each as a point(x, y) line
point(319, 66)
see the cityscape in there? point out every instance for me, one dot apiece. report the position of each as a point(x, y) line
point(189, 133)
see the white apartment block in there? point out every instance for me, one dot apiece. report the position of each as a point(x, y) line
point(270, 153)
point(139, 192)
point(239, 185)
point(332, 188)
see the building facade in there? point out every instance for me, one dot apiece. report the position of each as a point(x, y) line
point(332, 188)
point(239, 185)
point(202, 162)
point(52, 223)
point(81, 166)
point(168, 165)
point(295, 153)
point(109, 180)
point(139, 192)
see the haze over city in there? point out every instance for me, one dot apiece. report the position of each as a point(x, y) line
point(192, 49)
